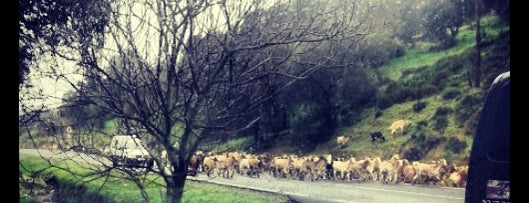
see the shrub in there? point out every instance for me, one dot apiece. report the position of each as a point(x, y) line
point(433, 141)
point(419, 106)
point(441, 78)
point(425, 141)
point(413, 154)
point(469, 105)
point(394, 93)
point(429, 140)
point(408, 72)
point(456, 145)
point(456, 67)
point(442, 111)
point(378, 114)
point(426, 90)
point(404, 94)
point(413, 136)
point(384, 102)
point(418, 70)
point(451, 94)
point(421, 124)
point(452, 63)
point(423, 46)
point(397, 93)
point(471, 124)
point(384, 80)
point(470, 100)
point(399, 51)
point(440, 123)
point(419, 138)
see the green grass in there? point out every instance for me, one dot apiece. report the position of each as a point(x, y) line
point(419, 57)
point(233, 144)
point(422, 67)
point(111, 126)
point(118, 189)
point(361, 146)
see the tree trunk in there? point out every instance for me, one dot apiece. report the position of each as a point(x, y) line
point(175, 186)
point(477, 62)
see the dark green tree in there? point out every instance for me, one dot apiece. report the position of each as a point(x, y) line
point(48, 24)
point(442, 21)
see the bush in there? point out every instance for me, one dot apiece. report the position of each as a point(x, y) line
point(440, 123)
point(452, 63)
point(413, 136)
point(442, 111)
point(451, 94)
point(455, 68)
point(384, 80)
point(423, 46)
point(470, 100)
point(419, 106)
point(469, 105)
point(421, 124)
point(456, 145)
point(378, 114)
point(441, 78)
point(430, 140)
point(419, 70)
point(425, 141)
point(394, 93)
point(471, 124)
point(413, 154)
point(426, 90)
point(397, 93)
point(380, 52)
point(384, 102)
point(399, 51)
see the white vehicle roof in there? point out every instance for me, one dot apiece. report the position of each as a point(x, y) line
point(126, 141)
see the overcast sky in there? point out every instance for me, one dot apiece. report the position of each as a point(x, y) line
point(53, 88)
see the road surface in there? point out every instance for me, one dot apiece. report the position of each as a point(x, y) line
point(318, 191)
point(336, 191)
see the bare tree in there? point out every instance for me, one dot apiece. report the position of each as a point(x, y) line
point(203, 67)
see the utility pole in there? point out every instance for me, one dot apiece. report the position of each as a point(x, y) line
point(477, 62)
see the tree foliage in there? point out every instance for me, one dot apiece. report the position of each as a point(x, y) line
point(48, 24)
point(442, 22)
point(178, 73)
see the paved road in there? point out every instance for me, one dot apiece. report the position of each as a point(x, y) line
point(318, 191)
point(333, 191)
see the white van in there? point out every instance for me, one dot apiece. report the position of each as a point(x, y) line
point(129, 151)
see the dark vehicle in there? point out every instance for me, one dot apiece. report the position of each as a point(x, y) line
point(489, 165)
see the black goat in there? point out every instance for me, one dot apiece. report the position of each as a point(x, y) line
point(377, 136)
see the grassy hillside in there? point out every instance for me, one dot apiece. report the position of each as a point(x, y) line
point(431, 89)
point(421, 55)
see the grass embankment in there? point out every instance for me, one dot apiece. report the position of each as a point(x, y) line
point(80, 184)
point(434, 94)
point(421, 55)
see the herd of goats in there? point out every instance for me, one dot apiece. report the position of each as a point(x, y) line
point(313, 168)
